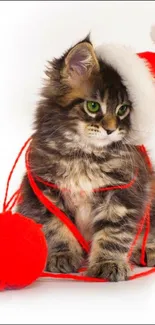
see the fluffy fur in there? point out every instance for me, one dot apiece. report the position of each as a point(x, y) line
point(79, 150)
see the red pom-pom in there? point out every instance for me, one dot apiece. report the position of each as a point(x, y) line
point(23, 251)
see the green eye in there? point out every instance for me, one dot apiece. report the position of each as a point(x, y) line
point(93, 107)
point(122, 110)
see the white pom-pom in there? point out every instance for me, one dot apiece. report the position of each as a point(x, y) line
point(152, 33)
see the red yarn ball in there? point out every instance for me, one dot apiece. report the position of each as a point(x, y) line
point(23, 251)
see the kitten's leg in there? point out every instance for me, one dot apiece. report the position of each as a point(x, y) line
point(149, 257)
point(150, 245)
point(113, 235)
point(64, 252)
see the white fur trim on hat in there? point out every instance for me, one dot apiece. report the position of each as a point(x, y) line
point(140, 86)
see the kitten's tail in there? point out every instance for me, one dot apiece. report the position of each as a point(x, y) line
point(152, 33)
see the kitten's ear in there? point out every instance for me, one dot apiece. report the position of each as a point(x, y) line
point(80, 62)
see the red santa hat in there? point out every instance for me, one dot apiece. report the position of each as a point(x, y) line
point(138, 75)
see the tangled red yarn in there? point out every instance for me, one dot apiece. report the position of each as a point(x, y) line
point(24, 244)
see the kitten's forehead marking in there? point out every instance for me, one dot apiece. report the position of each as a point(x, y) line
point(103, 102)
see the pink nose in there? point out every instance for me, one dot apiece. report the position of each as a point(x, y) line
point(109, 131)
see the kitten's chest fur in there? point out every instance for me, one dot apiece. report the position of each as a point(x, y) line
point(80, 178)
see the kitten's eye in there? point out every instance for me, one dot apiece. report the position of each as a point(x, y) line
point(93, 107)
point(123, 111)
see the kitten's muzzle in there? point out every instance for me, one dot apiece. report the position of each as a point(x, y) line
point(109, 124)
point(110, 131)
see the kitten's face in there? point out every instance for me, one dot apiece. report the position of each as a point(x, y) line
point(93, 105)
point(103, 119)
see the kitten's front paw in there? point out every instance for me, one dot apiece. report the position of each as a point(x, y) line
point(114, 271)
point(64, 263)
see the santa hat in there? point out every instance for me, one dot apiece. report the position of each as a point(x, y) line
point(138, 75)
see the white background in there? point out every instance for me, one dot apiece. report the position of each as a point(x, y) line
point(30, 34)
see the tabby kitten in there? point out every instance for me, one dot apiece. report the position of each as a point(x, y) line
point(82, 142)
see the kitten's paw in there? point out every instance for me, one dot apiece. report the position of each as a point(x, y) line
point(64, 263)
point(114, 271)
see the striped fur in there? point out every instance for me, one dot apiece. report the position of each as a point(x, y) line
point(73, 149)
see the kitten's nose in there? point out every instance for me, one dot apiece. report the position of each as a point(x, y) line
point(109, 131)
point(109, 123)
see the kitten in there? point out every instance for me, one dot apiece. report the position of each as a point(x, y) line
point(81, 142)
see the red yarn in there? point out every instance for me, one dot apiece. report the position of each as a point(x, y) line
point(12, 200)
point(142, 259)
point(75, 231)
point(143, 221)
point(72, 277)
point(10, 175)
point(54, 209)
point(22, 241)
point(100, 189)
point(25, 253)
